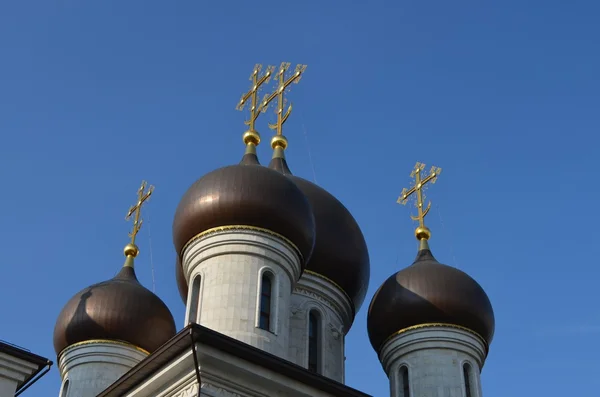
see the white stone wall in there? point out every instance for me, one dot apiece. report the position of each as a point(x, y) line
point(314, 292)
point(90, 367)
point(13, 372)
point(230, 263)
point(434, 356)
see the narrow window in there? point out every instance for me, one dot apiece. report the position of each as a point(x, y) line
point(266, 288)
point(65, 389)
point(313, 341)
point(195, 300)
point(467, 376)
point(405, 384)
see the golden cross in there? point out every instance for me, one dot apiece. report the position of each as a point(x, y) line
point(257, 81)
point(420, 183)
point(279, 91)
point(137, 222)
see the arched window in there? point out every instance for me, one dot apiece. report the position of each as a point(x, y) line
point(467, 376)
point(65, 389)
point(405, 382)
point(195, 300)
point(266, 289)
point(314, 336)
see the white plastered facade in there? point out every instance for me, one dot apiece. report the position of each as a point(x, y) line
point(224, 269)
point(334, 313)
point(88, 368)
point(435, 356)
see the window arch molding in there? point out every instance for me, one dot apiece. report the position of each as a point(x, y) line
point(470, 381)
point(402, 374)
point(315, 332)
point(267, 317)
point(194, 302)
point(64, 391)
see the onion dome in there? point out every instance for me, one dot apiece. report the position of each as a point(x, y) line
point(340, 253)
point(428, 292)
point(246, 195)
point(119, 309)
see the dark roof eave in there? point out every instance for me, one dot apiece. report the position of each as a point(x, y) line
point(181, 342)
point(17, 352)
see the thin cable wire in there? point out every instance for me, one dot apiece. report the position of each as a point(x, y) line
point(312, 164)
point(150, 246)
point(449, 237)
point(397, 256)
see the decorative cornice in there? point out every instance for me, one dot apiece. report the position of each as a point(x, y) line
point(325, 291)
point(189, 391)
point(192, 391)
point(328, 280)
point(433, 325)
point(432, 336)
point(301, 291)
point(230, 228)
point(255, 242)
point(102, 342)
point(219, 391)
point(99, 350)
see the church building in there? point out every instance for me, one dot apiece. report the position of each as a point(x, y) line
point(273, 270)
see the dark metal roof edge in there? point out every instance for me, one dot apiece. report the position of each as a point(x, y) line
point(201, 334)
point(23, 354)
point(274, 363)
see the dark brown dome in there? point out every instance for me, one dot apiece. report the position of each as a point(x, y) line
point(340, 251)
point(181, 281)
point(249, 195)
point(429, 292)
point(119, 309)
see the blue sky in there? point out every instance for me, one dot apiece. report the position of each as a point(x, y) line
point(96, 96)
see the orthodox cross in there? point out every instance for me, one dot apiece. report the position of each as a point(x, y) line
point(143, 195)
point(279, 91)
point(420, 182)
point(257, 81)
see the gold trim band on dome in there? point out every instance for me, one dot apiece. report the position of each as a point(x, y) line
point(432, 325)
point(332, 282)
point(95, 341)
point(241, 227)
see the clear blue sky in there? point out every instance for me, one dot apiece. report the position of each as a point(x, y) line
point(96, 96)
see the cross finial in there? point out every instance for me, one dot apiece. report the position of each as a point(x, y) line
point(279, 140)
point(252, 136)
point(421, 181)
point(143, 195)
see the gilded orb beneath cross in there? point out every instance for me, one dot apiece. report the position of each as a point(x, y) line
point(251, 137)
point(131, 250)
point(422, 233)
point(279, 141)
